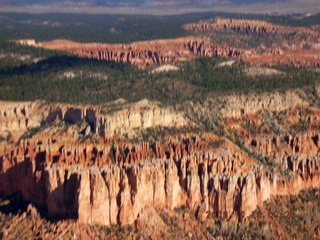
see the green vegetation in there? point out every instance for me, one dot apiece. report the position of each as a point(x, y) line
point(182, 209)
point(295, 20)
point(93, 28)
point(298, 215)
point(119, 28)
point(31, 132)
point(28, 73)
point(12, 55)
point(63, 78)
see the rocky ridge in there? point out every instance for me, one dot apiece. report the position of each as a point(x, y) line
point(113, 180)
point(109, 120)
point(146, 53)
point(300, 49)
point(258, 27)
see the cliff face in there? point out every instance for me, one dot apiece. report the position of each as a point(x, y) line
point(113, 180)
point(115, 193)
point(18, 117)
point(147, 53)
point(257, 27)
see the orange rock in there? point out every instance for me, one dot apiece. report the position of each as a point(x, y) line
point(147, 53)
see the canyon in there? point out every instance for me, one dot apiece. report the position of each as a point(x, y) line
point(191, 167)
point(108, 179)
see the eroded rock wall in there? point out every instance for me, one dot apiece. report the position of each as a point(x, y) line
point(113, 180)
point(224, 180)
point(257, 27)
point(147, 53)
point(19, 117)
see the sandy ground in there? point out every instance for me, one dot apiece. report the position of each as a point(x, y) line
point(295, 6)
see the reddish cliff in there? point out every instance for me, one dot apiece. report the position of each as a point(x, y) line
point(147, 53)
point(257, 27)
point(113, 186)
point(112, 181)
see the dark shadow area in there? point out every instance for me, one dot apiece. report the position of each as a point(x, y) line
point(53, 115)
point(58, 63)
point(13, 204)
point(73, 115)
point(20, 187)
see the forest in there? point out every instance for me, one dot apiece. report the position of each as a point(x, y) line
point(59, 77)
point(28, 73)
point(119, 28)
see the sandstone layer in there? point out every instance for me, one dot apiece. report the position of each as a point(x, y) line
point(108, 120)
point(257, 27)
point(146, 53)
point(82, 164)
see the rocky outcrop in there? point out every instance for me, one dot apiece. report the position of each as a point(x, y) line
point(291, 46)
point(147, 53)
point(114, 181)
point(28, 42)
point(116, 192)
point(18, 117)
point(248, 26)
point(257, 27)
point(103, 121)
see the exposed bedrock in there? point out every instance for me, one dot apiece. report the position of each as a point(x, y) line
point(257, 27)
point(23, 116)
point(113, 180)
point(116, 193)
point(147, 53)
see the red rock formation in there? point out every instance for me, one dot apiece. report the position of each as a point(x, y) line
point(284, 51)
point(112, 181)
point(222, 180)
point(147, 53)
point(257, 27)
